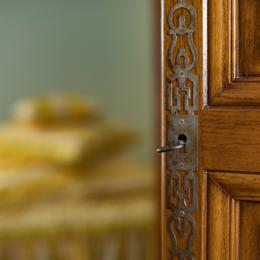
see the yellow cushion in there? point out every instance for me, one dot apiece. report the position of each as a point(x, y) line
point(56, 110)
point(85, 145)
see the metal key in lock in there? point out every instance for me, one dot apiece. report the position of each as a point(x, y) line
point(179, 145)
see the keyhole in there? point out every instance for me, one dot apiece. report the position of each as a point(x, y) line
point(182, 138)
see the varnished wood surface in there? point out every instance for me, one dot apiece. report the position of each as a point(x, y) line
point(233, 220)
point(240, 186)
point(229, 126)
point(229, 130)
point(230, 139)
point(233, 52)
point(218, 47)
point(249, 248)
point(249, 38)
point(218, 206)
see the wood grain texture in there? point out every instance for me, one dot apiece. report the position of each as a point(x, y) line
point(229, 126)
point(240, 186)
point(229, 131)
point(233, 49)
point(230, 139)
point(249, 38)
point(250, 231)
point(218, 222)
point(218, 47)
point(233, 221)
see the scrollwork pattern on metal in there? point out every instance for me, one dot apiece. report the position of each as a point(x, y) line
point(182, 104)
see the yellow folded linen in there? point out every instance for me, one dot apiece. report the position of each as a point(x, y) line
point(46, 204)
point(79, 218)
point(74, 146)
point(56, 110)
point(21, 188)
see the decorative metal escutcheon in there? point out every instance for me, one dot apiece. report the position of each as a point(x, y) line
point(181, 132)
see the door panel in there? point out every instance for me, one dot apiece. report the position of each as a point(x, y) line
point(249, 246)
point(226, 221)
point(230, 139)
point(229, 142)
point(249, 38)
point(233, 52)
point(233, 215)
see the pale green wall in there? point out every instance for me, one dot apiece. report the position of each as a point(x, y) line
point(100, 47)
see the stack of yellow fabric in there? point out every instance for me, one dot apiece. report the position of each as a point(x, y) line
point(63, 130)
point(62, 177)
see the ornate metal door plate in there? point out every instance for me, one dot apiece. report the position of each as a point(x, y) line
point(181, 124)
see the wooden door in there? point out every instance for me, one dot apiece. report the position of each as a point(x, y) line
point(211, 98)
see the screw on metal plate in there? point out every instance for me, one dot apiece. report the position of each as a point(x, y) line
point(182, 121)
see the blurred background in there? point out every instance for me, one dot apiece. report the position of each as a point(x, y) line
point(77, 133)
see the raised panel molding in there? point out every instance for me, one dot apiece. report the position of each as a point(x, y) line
point(229, 196)
point(238, 186)
point(222, 223)
point(226, 86)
